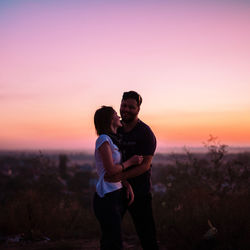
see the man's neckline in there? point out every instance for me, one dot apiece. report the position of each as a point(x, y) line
point(138, 121)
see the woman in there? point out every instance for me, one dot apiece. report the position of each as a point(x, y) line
point(110, 198)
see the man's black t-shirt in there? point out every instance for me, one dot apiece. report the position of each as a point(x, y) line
point(139, 141)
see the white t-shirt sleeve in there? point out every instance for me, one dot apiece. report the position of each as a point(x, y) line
point(101, 139)
point(102, 186)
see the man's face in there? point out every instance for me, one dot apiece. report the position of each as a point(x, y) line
point(129, 110)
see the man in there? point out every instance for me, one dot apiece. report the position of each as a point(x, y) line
point(138, 138)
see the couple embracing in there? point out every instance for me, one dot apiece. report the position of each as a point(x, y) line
point(123, 154)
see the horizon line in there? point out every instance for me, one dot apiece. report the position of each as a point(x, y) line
point(166, 149)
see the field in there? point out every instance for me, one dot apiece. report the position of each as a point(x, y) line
point(201, 201)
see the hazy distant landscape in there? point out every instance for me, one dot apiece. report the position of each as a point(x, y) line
point(46, 200)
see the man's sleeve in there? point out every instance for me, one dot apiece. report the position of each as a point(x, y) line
point(148, 142)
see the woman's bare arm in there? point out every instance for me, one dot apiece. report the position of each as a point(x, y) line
point(133, 172)
point(108, 163)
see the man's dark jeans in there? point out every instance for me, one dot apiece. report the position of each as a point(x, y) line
point(142, 215)
point(109, 211)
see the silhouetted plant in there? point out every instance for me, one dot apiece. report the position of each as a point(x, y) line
point(216, 150)
point(63, 160)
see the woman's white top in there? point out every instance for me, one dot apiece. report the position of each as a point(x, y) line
point(102, 186)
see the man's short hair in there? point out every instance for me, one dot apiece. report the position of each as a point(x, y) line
point(132, 95)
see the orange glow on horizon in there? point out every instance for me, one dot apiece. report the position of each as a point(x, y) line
point(195, 128)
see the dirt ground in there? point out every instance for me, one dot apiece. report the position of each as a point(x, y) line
point(53, 245)
point(92, 244)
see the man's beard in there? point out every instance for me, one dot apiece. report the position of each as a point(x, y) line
point(128, 118)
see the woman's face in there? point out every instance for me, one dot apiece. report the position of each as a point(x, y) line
point(116, 122)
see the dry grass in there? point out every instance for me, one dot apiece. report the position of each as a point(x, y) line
point(36, 202)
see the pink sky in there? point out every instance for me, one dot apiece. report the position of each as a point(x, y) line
point(61, 60)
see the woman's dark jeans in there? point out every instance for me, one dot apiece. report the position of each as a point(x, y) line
point(109, 211)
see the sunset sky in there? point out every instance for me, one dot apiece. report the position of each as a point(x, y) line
point(61, 60)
